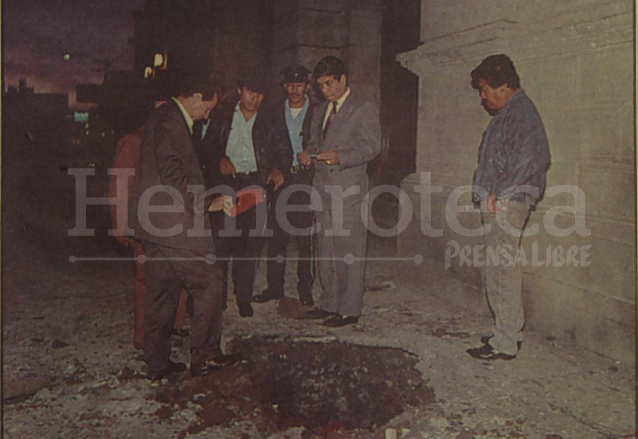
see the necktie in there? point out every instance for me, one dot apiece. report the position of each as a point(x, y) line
point(197, 131)
point(331, 116)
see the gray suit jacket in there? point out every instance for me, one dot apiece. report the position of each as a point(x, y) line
point(354, 132)
point(168, 159)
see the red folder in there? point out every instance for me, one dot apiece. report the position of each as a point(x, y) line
point(247, 199)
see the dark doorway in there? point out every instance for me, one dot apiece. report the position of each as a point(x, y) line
point(401, 29)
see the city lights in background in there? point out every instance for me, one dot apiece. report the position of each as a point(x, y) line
point(159, 60)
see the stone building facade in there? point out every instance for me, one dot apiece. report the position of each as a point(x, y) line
point(576, 62)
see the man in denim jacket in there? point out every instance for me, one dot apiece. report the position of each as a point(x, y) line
point(510, 179)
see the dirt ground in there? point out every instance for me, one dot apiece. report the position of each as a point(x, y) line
point(70, 369)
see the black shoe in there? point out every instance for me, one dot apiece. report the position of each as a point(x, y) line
point(180, 333)
point(338, 321)
point(316, 314)
point(219, 362)
point(171, 368)
point(306, 299)
point(486, 352)
point(486, 340)
point(245, 309)
point(267, 296)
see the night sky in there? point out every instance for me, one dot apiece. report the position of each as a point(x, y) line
point(36, 33)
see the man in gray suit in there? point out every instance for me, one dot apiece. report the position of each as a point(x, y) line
point(344, 136)
point(166, 208)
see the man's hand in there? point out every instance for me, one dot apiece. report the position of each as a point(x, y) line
point(331, 157)
point(304, 159)
point(494, 205)
point(226, 167)
point(225, 203)
point(276, 177)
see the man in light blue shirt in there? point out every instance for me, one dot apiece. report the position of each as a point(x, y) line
point(247, 150)
point(240, 149)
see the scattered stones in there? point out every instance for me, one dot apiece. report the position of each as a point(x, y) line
point(290, 308)
point(379, 283)
point(391, 433)
point(59, 344)
point(25, 387)
point(443, 332)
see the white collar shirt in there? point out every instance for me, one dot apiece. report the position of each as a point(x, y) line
point(338, 103)
point(187, 118)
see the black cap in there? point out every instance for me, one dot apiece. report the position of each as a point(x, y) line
point(294, 73)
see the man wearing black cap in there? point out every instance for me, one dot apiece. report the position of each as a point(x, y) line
point(294, 117)
point(245, 151)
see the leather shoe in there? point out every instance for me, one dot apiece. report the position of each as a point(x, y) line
point(245, 309)
point(219, 362)
point(486, 340)
point(316, 314)
point(486, 352)
point(171, 368)
point(267, 296)
point(306, 299)
point(338, 321)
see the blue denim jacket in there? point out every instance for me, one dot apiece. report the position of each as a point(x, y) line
point(514, 154)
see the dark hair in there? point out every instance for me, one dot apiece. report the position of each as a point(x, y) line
point(189, 83)
point(496, 70)
point(330, 65)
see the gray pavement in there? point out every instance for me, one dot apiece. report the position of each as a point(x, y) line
point(552, 387)
point(71, 367)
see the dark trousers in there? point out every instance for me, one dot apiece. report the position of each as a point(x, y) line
point(244, 248)
point(282, 234)
point(164, 279)
point(139, 300)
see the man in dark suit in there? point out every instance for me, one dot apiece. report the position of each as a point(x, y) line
point(344, 136)
point(163, 207)
point(244, 149)
point(294, 117)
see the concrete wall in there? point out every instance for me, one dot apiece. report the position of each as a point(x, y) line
point(575, 60)
point(307, 30)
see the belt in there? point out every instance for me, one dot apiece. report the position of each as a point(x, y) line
point(246, 174)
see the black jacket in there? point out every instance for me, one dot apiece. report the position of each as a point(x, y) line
point(270, 141)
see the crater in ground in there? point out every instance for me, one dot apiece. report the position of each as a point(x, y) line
point(280, 384)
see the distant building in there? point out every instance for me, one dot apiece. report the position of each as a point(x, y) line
point(121, 100)
point(176, 35)
point(31, 117)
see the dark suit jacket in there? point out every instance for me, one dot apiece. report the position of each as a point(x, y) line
point(168, 162)
point(270, 141)
point(356, 133)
